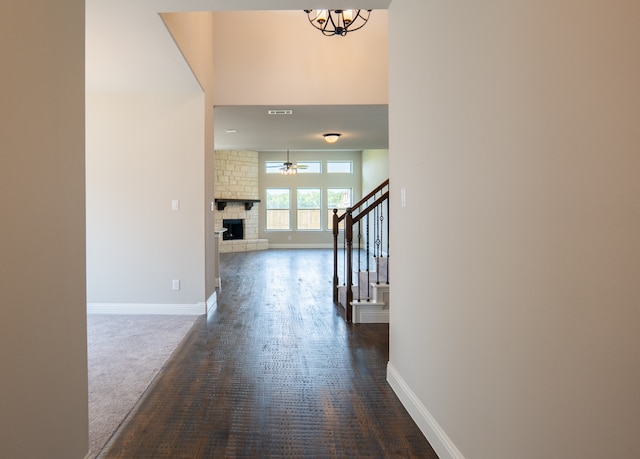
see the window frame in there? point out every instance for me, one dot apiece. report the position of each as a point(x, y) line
point(267, 208)
point(350, 163)
point(305, 171)
point(330, 209)
point(318, 209)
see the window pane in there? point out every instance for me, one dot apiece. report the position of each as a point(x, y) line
point(309, 167)
point(309, 219)
point(278, 219)
point(308, 203)
point(338, 198)
point(308, 198)
point(278, 198)
point(272, 167)
point(278, 209)
point(339, 167)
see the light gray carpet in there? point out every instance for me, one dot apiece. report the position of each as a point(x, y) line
point(125, 353)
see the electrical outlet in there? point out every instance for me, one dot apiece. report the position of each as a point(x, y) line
point(176, 284)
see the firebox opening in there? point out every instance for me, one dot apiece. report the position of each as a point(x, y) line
point(235, 229)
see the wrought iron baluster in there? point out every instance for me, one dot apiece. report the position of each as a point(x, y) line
point(378, 235)
point(388, 253)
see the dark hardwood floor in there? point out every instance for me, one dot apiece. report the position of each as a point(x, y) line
point(273, 372)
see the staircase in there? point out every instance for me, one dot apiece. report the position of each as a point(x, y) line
point(361, 258)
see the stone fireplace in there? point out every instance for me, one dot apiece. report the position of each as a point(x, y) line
point(236, 192)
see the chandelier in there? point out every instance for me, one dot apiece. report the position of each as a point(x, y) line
point(337, 22)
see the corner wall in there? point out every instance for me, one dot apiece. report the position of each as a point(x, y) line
point(43, 344)
point(193, 33)
point(514, 131)
point(143, 152)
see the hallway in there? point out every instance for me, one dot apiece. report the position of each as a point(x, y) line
point(273, 372)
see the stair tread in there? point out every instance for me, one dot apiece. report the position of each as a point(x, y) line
point(372, 303)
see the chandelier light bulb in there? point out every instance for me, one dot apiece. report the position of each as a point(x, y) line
point(337, 22)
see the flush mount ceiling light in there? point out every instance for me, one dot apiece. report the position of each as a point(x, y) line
point(331, 137)
point(337, 22)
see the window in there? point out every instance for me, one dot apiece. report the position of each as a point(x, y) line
point(339, 167)
point(337, 198)
point(278, 209)
point(272, 167)
point(308, 204)
point(309, 167)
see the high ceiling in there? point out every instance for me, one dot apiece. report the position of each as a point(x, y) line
point(128, 50)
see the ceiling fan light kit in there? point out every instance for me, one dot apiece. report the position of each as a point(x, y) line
point(288, 168)
point(337, 22)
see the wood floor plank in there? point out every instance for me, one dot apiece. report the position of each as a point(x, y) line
point(273, 372)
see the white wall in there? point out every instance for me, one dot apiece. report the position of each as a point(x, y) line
point(311, 239)
point(143, 152)
point(43, 359)
point(375, 168)
point(515, 133)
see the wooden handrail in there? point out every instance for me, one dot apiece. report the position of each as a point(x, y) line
point(349, 220)
point(370, 207)
point(365, 199)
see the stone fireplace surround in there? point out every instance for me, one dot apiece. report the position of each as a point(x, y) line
point(236, 177)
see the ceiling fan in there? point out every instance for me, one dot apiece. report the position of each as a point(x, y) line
point(288, 168)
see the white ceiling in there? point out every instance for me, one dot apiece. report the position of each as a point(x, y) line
point(362, 127)
point(126, 51)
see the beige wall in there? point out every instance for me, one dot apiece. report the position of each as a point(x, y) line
point(265, 65)
point(193, 33)
point(143, 152)
point(515, 134)
point(43, 387)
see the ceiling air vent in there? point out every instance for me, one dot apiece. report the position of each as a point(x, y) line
point(280, 112)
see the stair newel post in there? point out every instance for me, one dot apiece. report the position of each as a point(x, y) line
point(348, 236)
point(335, 255)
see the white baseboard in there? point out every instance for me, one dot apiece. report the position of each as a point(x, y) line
point(301, 246)
point(212, 301)
point(438, 438)
point(143, 308)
